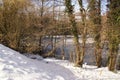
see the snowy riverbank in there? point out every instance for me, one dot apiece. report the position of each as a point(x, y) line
point(15, 66)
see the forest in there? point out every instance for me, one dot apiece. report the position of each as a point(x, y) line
point(43, 27)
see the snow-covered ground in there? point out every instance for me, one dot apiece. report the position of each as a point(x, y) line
point(15, 66)
point(88, 72)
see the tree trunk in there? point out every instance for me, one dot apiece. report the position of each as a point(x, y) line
point(112, 60)
point(83, 44)
point(69, 8)
point(98, 54)
point(78, 62)
point(95, 9)
point(84, 33)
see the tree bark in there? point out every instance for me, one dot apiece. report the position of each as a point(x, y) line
point(84, 33)
point(98, 54)
point(112, 60)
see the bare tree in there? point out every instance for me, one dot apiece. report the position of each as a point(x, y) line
point(84, 33)
point(69, 9)
point(113, 32)
point(95, 17)
point(11, 26)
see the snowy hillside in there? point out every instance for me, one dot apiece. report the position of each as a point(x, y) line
point(14, 66)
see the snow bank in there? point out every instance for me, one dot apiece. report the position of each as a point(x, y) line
point(14, 66)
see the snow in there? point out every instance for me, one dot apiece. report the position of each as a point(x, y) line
point(32, 56)
point(15, 66)
point(88, 72)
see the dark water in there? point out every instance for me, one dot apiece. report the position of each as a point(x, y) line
point(69, 48)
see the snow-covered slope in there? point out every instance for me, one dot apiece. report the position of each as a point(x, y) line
point(14, 66)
